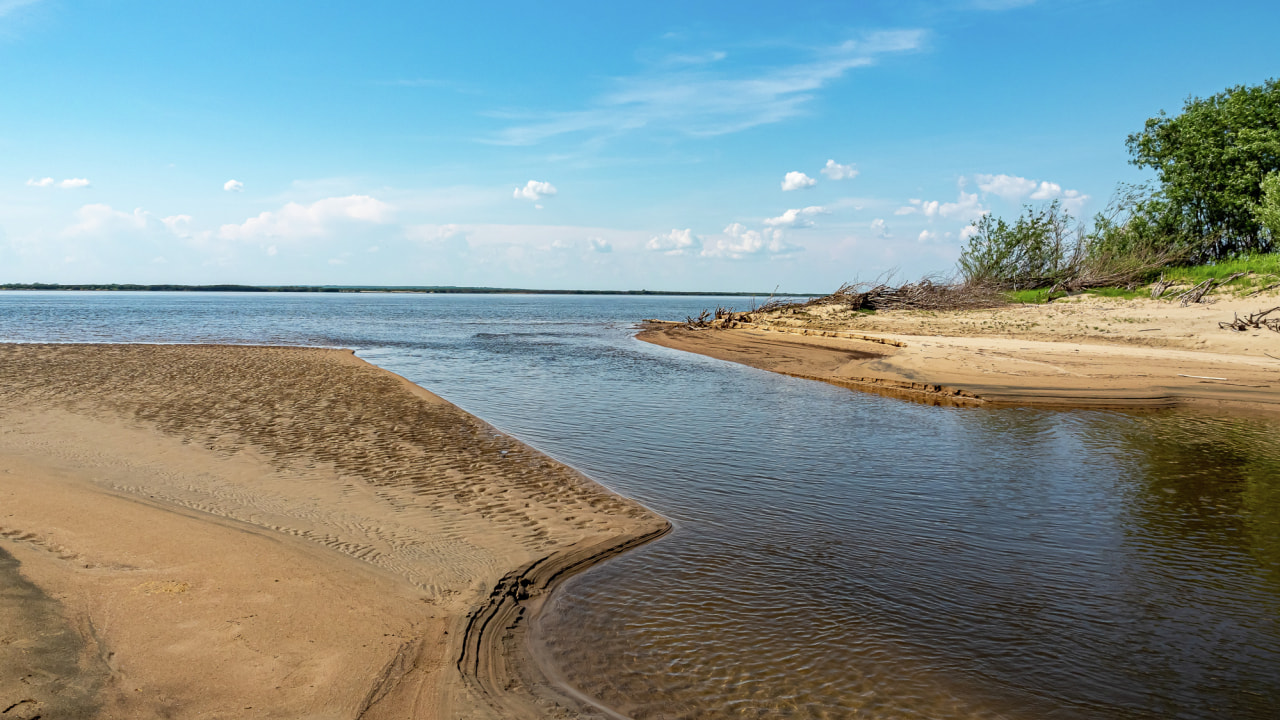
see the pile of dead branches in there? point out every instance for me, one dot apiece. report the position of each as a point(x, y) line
point(722, 319)
point(927, 294)
point(1197, 293)
point(1255, 321)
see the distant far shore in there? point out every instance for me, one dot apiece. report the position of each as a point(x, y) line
point(426, 289)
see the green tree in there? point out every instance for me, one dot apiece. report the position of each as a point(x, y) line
point(1268, 211)
point(1211, 161)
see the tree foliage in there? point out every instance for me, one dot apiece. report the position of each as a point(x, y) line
point(1268, 210)
point(1038, 249)
point(1211, 161)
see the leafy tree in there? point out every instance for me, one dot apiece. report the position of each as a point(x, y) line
point(1211, 161)
point(1268, 210)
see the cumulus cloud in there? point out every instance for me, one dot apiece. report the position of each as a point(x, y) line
point(599, 245)
point(534, 190)
point(676, 242)
point(102, 219)
point(739, 242)
point(233, 186)
point(836, 171)
point(968, 232)
point(966, 207)
point(1009, 187)
point(926, 236)
point(68, 184)
point(295, 220)
point(796, 218)
point(797, 181)
point(880, 228)
point(1014, 188)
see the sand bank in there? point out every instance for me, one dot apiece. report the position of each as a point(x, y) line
point(273, 532)
point(1094, 352)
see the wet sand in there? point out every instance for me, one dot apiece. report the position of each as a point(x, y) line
point(223, 531)
point(1097, 353)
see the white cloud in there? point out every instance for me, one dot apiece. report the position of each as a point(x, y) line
point(880, 228)
point(712, 99)
point(233, 186)
point(966, 207)
point(836, 171)
point(599, 245)
point(1009, 187)
point(295, 220)
point(796, 218)
point(68, 184)
point(1047, 191)
point(739, 242)
point(535, 190)
point(97, 219)
point(179, 225)
point(927, 236)
point(968, 232)
point(797, 181)
point(1073, 201)
point(676, 242)
point(1014, 188)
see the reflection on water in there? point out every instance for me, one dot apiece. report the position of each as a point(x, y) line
point(836, 554)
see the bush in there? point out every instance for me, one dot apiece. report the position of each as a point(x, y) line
point(1039, 249)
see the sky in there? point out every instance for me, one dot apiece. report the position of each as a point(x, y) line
point(711, 146)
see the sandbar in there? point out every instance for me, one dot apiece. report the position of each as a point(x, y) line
point(1083, 352)
point(229, 532)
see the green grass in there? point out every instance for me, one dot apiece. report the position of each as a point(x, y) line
point(1031, 297)
point(1119, 292)
point(1259, 267)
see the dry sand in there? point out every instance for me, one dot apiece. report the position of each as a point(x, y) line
point(1079, 352)
point(231, 532)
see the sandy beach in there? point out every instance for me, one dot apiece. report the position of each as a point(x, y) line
point(1079, 352)
point(217, 531)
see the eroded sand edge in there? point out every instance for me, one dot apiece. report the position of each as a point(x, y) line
point(274, 532)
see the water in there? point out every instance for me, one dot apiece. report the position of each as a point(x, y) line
point(835, 554)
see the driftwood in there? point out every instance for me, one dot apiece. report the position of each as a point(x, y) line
point(1160, 287)
point(1256, 321)
point(722, 319)
point(1197, 293)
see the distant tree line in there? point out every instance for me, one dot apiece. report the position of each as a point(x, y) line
point(1216, 196)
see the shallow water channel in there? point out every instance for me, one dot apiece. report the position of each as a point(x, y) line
point(835, 554)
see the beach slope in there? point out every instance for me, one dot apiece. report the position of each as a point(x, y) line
point(1083, 352)
point(217, 531)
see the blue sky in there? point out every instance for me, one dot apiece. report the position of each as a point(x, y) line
point(699, 146)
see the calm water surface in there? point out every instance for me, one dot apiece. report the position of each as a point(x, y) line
point(836, 554)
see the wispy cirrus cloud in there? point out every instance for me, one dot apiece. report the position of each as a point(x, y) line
point(9, 6)
point(710, 98)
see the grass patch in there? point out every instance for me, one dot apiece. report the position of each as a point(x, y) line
point(1259, 267)
point(1119, 292)
point(1031, 297)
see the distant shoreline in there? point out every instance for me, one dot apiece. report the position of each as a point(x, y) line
point(426, 290)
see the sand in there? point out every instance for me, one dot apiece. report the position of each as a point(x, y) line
point(212, 531)
point(1079, 352)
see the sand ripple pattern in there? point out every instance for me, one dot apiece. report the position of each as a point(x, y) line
point(360, 460)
